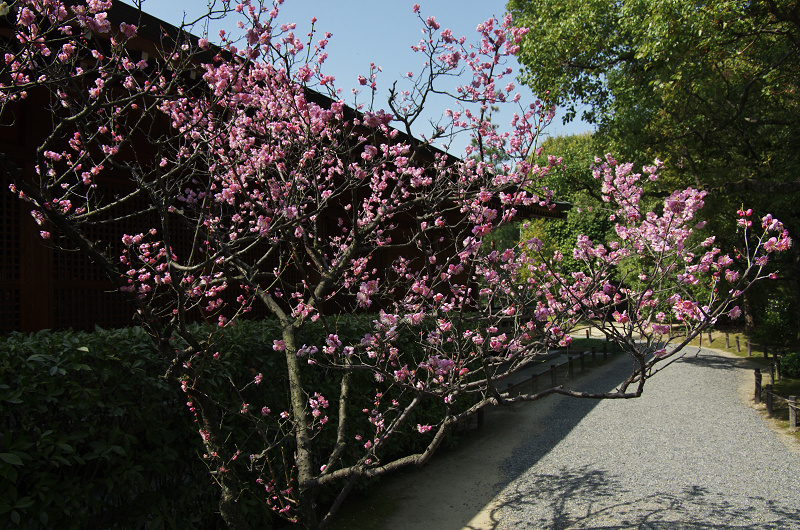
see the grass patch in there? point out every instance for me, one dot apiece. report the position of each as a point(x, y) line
point(780, 408)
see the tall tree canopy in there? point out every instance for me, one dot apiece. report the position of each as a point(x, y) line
point(710, 87)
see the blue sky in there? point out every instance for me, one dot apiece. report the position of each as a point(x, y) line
point(366, 31)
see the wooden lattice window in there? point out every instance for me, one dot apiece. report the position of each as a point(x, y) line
point(10, 296)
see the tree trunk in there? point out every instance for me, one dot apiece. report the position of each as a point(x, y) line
point(229, 508)
point(304, 457)
point(748, 309)
point(228, 482)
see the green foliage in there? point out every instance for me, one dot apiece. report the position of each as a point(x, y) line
point(573, 183)
point(711, 88)
point(91, 436)
point(790, 365)
point(774, 327)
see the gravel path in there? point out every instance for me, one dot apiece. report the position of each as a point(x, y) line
point(689, 454)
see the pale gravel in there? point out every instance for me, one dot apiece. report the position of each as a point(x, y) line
point(689, 454)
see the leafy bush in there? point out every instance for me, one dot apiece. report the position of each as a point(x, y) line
point(90, 436)
point(776, 324)
point(790, 365)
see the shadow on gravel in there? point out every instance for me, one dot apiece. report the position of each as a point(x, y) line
point(562, 414)
point(547, 422)
point(588, 498)
point(710, 359)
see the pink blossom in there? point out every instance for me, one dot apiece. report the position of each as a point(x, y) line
point(128, 30)
point(25, 17)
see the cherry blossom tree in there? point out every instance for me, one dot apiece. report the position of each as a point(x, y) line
point(238, 181)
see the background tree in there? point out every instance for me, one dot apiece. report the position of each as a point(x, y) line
point(708, 87)
point(573, 181)
point(236, 182)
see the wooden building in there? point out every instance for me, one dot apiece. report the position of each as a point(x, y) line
point(43, 286)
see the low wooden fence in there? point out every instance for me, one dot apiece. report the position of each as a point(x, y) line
point(771, 397)
point(750, 346)
point(578, 358)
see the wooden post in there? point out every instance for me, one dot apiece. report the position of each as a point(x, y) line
point(727, 341)
point(772, 374)
point(594, 356)
point(777, 362)
point(749, 349)
point(768, 399)
point(588, 332)
point(793, 413)
point(766, 352)
point(553, 374)
point(757, 393)
point(570, 370)
point(737, 344)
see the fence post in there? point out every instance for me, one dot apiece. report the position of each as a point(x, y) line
point(757, 394)
point(749, 348)
point(777, 361)
point(727, 341)
point(737, 344)
point(793, 413)
point(768, 399)
point(594, 356)
point(553, 374)
point(766, 352)
point(772, 374)
point(588, 332)
point(570, 370)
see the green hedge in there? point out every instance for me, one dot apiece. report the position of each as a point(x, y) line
point(92, 438)
point(790, 365)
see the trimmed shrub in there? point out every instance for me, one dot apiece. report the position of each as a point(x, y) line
point(790, 365)
point(92, 438)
